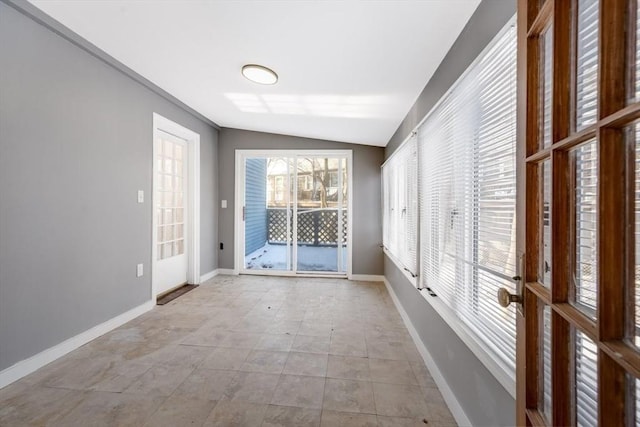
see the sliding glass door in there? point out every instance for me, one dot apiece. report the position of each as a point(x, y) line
point(295, 212)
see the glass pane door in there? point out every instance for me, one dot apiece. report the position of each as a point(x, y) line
point(268, 213)
point(321, 214)
point(295, 213)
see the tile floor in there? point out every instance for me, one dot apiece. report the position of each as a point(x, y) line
point(242, 351)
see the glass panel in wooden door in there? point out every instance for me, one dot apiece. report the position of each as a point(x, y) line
point(170, 204)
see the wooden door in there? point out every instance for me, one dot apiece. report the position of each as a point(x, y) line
point(578, 339)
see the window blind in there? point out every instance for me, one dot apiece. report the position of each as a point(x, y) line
point(587, 63)
point(400, 205)
point(467, 187)
point(586, 374)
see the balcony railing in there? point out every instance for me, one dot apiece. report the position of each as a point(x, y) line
point(316, 227)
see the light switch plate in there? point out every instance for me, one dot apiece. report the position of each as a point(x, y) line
point(140, 196)
point(224, 204)
point(139, 270)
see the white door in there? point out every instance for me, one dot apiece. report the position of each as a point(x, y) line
point(170, 229)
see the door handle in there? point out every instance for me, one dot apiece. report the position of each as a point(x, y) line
point(505, 298)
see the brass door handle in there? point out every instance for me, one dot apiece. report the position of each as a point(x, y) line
point(505, 298)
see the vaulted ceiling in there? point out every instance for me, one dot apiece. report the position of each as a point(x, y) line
point(348, 70)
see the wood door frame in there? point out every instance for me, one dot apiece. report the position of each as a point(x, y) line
point(618, 361)
point(192, 233)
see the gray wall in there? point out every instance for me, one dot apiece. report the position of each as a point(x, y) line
point(256, 205)
point(75, 146)
point(367, 228)
point(482, 397)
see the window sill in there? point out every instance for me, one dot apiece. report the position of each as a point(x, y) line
point(464, 332)
point(470, 338)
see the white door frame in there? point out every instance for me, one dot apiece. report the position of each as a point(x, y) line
point(192, 233)
point(239, 232)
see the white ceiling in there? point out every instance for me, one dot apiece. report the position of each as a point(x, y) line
point(349, 70)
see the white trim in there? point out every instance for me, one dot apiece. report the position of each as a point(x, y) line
point(227, 272)
point(367, 277)
point(471, 340)
point(240, 156)
point(27, 366)
point(161, 123)
point(404, 270)
point(449, 397)
point(209, 275)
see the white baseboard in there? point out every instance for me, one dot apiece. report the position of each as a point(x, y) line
point(228, 271)
point(366, 278)
point(209, 275)
point(454, 405)
point(27, 366)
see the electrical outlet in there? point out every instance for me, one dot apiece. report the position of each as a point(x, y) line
point(139, 270)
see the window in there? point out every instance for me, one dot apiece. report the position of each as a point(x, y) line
point(279, 191)
point(468, 199)
point(400, 206)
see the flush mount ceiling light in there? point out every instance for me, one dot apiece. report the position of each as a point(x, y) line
point(259, 74)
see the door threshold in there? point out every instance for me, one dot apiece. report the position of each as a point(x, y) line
point(290, 274)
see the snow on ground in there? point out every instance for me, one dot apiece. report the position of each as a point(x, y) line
point(310, 258)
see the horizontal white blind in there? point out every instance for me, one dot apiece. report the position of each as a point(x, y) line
point(587, 63)
point(467, 197)
point(546, 362)
point(586, 394)
point(400, 205)
point(585, 165)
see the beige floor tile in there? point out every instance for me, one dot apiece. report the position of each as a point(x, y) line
point(236, 414)
point(181, 411)
point(422, 374)
point(252, 387)
point(348, 396)
point(206, 337)
point(299, 391)
point(209, 384)
point(392, 371)
point(398, 400)
point(287, 416)
point(309, 364)
point(344, 419)
point(178, 354)
point(290, 327)
point(226, 358)
point(80, 374)
point(241, 340)
point(112, 409)
point(438, 409)
point(311, 344)
point(356, 368)
point(120, 376)
point(348, 345)
point(392, 350)
point(403, 422)
point(277, 342)
point(36, 405)
point(314, 328)
point(160, 380)
point(265, 361)
point(188, 354)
